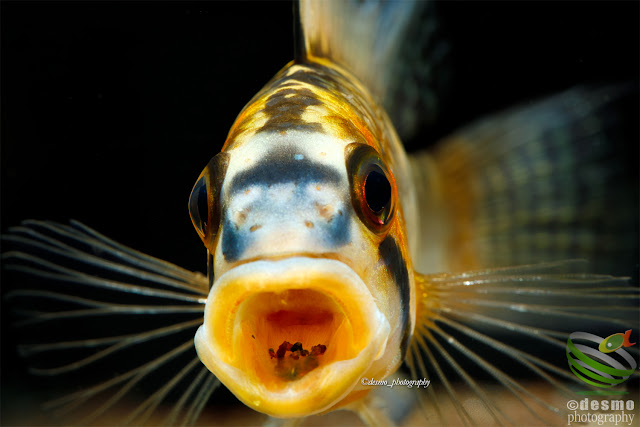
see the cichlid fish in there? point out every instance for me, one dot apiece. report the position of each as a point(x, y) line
point(333, 256)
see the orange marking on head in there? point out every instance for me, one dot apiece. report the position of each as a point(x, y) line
point(315, 93)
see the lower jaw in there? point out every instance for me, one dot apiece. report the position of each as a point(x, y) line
point(292, 337)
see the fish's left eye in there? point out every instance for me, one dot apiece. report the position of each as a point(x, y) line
point(372, 187)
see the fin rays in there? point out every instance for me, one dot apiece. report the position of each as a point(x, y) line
point(120, 343)
point(84, 236)
point(103, 302)
point(84, 279)
point(520, 303)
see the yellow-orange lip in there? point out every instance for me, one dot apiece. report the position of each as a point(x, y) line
point(253, 310)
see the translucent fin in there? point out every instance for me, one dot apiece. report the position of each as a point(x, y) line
point(555, 179)
point(112, 326)
point(508, 328)
point(392, 47)
point(372, 416)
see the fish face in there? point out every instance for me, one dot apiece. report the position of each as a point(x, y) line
point(284, 196)
point(312, 290)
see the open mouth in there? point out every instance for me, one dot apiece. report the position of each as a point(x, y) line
point(291, 337)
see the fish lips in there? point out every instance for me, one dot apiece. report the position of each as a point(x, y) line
point(291, 337)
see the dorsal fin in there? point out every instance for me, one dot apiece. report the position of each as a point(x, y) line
point(299, 50)
point(389, 45)
point(549, 180)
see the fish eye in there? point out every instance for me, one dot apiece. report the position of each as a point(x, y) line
point(372, 187)
point(204, 203)
point(377, 190)
point(199, 206)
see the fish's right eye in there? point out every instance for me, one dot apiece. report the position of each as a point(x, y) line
point(199, 206)
point(204, 202)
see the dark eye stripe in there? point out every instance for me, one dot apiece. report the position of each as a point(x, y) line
point(281, 166)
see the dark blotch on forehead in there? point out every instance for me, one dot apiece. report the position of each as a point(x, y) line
point(286, 113)
point(395, 263)
point(312, 77)
point(279, 167)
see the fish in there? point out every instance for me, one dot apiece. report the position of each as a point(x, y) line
point(314, 205)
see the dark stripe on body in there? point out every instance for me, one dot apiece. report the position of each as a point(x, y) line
point(395, 263)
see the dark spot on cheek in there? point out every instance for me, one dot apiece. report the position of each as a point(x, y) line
point(338, 230)
point(394, 261)
point(234, 243)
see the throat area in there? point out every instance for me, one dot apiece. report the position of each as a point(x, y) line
point(291, 337)
point(292, 333)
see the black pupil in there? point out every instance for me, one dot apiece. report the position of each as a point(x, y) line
point(377, 191)
point(203, 206)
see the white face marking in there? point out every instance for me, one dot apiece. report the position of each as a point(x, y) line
point(284, 194)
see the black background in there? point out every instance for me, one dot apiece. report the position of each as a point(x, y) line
point(111, 110)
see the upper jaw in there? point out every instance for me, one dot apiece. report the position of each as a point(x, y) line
point(258, 306)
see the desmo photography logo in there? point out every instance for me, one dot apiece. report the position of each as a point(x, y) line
point(600, 362)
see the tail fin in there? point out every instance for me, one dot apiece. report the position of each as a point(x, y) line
point(553, 180)
point(392, 47)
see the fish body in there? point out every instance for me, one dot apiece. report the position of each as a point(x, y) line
point(334, 257)
point(298, 243)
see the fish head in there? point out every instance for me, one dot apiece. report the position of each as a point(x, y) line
point(313, 284)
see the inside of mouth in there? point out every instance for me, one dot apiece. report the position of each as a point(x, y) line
point(288, 334)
